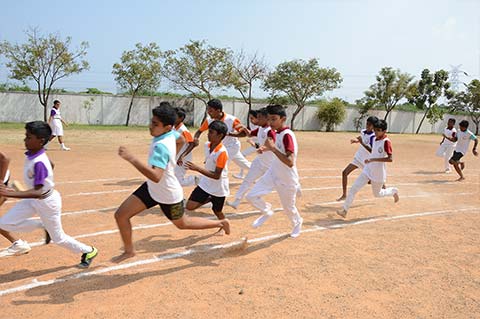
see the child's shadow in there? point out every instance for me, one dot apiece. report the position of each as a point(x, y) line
point(127, 182)
point(155, 245)
point(199, 256)
point(324, 209)
point(24, 273)
point(334, 221)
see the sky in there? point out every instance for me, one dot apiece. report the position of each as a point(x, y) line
point(357, 37)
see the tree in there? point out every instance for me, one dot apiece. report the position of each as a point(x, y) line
point(364, 105)
point(469, 101)
point(426, 93)
point(331, 113)
point(391, 87)
point(301, 80)
point(245, 71)
point(45, 60)
point(198, 68)
point(138, 70)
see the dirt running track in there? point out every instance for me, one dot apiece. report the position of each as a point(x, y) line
point(419, 258)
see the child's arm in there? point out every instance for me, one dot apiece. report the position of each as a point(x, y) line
point(35, 192)
point(152, 173)
point(4, 162)
point(241, 133)
point(64, 123)
point(475, 144)
point(388, 159)
point(366, 146)
point(286, 159)
point(215, 174)
point(443, 139)
point(180, 141)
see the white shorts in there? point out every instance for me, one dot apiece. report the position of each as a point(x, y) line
point(57, 128)
point(357, 163)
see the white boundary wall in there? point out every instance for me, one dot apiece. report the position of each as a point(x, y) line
point(112, 110)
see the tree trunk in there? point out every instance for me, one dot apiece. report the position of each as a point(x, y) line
point(45, 112)
point(130, 108)
point(248, 115)
point(299, 108)
point(386, 115)
point(421, 122)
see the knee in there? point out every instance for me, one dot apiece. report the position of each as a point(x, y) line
point(180, 223)
point(119, 216)
point(344, 173)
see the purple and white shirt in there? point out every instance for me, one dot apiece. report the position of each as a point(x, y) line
point(38, 171)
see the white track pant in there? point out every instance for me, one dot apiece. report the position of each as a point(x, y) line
point(249, 150)
point(286, 192)
point(236, 156)
point(19, 219)
point(445, 151)
point(180, 173)
point(377, 190)
point(257, 169)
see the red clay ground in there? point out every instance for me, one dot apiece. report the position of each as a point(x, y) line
point(419, 258)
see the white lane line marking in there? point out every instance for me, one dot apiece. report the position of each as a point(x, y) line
point(149, 226)
point(35, 283)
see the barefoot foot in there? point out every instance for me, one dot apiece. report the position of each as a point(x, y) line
point(460, 179)
point(226, 226)
point(396, 198)
point(341, 198)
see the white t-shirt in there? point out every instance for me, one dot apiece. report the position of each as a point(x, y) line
point(362, 154)
point(449, 133)
point(38, 170)
point(377, 171)
point(463, 140)
point(262, 133)
point(232, 123)
point(163, 152)
point(217, 158)
point(285, 141)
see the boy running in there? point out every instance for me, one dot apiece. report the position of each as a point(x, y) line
point(180, 169)
point(162, 187)
point(56, 123)
point(447, 145)
point(41, 198)
point(375, 169)
point(366, 137)
point(463, 138)
point(213, 185)
point(282, 174)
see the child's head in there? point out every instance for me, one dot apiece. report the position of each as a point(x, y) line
point(451, 123)
point(181, 114)
point(262, 117)
point(380, 128)
point(56, 104)
point(463, 125)
point(217, 130)
point(371, 122)
point(163, 119)
point(276, 116)
point(37, 134)
point(214, 108)
point(252, 117)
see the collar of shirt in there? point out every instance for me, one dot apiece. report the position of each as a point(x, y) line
point(161, 137)
point(31, 156)
point(283, 129)
point(383, 137)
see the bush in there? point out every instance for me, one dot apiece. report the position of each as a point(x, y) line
point(331, 113)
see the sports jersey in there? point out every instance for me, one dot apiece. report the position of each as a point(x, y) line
point(367, 138)
point(162, 154)
point(377, 171)
point(285, 141)
point(217, 158)
point(233, 124)
point(463, 139)
point(38, 170)
point(262, 133)
point(449, 133)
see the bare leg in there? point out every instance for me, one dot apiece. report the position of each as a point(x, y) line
point(188, 222)
point(8, 236)
point(350, 168)
point(129, 208)
point(456, 165)
point(60, 139)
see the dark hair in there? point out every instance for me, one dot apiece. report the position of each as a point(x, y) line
point(253, 113)
point(40, 129)
point(463, 123)
point(262, 111)
point(165, 113)
point(165, 103)
point(216, 104)
point(56, 102)
point(381, 124)
point(372, 119)
point(276, 109)
point(181, 113)
point(219, 127)
point(452, 120)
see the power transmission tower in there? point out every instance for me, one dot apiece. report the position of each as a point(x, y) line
point(455, 76)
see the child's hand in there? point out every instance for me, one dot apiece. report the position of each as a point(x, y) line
point(353, 141)
point(192, 166)
point(251, 142)
point(359, 139)
point(260, 150)
point(125, 154)
point(367, 161)
point(475, 152)
point(269, 145)
point(4, 190)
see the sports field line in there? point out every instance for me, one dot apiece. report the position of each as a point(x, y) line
point(239, 243)
point(149, 226)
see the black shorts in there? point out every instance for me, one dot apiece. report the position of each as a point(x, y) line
point(171, 211)
point(456, 156)
point(200, 196)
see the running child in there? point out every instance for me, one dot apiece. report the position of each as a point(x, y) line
point(263, 160)
point(180, 169)
point(213, 185)
point(367, 136)
point(463, 138)
point(41, 198)
point(231, 143)
point(252, 116)
point(162, 187)
point(282, 174)
point(56, 123)
point(375, 169)
point(447, 145)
